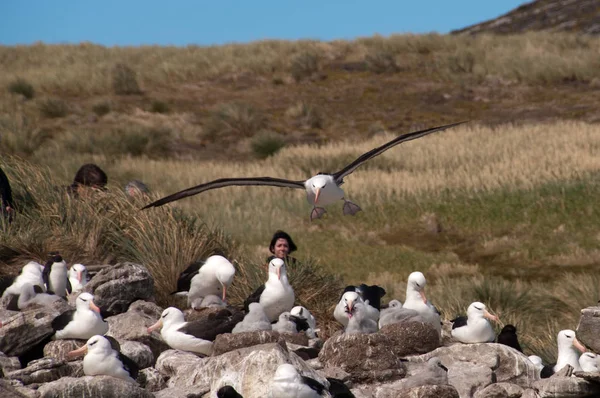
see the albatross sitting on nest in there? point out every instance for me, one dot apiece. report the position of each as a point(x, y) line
point(276, 295)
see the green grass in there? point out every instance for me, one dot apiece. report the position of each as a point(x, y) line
point(23, 87)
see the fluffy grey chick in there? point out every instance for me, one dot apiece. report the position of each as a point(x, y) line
point(396, 314)
point(212, 301)
point(284, 324)
point(433, 373)
point(359, 320)
point(255, 319)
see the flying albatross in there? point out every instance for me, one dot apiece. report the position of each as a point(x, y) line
point(321, 189)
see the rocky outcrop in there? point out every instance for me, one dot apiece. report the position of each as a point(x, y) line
point(588, 329)
point(115, 288)
point(249, 370)
point(92, 386)
point(45, 370)
point(367, 357)
point(133, 326)
point(58, 349)
point(411, 338)
point(139, 353)
point(23, 330)
point(565, 387)
point(230, 341)
point(500, 390)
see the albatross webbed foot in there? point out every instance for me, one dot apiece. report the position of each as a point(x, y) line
point(350, 208)
point(317, 212)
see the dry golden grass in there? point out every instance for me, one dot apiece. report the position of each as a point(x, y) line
point(87, 68)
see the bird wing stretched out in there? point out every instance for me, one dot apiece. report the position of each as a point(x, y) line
point(339, 176)
point(227, 182)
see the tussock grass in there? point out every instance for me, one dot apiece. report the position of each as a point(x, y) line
point(305, 115)
point(266, 143)
point(23, 87)
point(234, 120)
point(53, 108)
point(21, 136)
point(537, 57)
point(101, 108)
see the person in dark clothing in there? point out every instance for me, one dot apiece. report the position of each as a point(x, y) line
point(88, 176)
point(281, 247)
point(6, 199)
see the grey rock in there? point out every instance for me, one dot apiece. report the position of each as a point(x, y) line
point(171, 362)
point(411, 338)
point(565, 387)
point(529, 393)
point(182, 392)
point(45, 370)
point(437, 391)
point(500, 390)
point(92, 386)
point(336, 373)
point(152, 380)
point(8, 364)
point(133, 325)
point(588, 329)
point(249, 370)
point(315, 364)
point(22, 330)
point(593, 377)
point(232, 341)
point(367, 357)
point(139, 353)
point(115, 288)
point(507, 364)
point(7, 390)
point(58, 349)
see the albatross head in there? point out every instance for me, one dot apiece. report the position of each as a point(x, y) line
point(170, 316)
point(566, 340)
point(224, 271)
point(86, 301)
point(349, 300)
point(416, 283)
point(79, 272)
point(95, 343)
point(478, 310)
point(317, 183)
point(277, 267)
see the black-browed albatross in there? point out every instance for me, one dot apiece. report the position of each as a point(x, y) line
point(321, 189)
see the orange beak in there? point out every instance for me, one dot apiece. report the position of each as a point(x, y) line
point(577, 344)
point(224, 292)
point(157, 325)
point(423, 297)
point(350, 305)
point(78, 352)
point(279, 273)
point(317, 192)
point(94, 307)
point(490, 316)
point(79, 275)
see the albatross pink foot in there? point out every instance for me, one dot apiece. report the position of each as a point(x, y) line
point(350, 208)
point(317, 212)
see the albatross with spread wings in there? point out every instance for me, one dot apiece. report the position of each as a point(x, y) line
point(321, 189)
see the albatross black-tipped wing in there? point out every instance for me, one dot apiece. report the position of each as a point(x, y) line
point(459, 321)
point(129, 365)
point(215, 324)
point(339, 176)
point(312, 383)
point(184, 282)
point(227, 182)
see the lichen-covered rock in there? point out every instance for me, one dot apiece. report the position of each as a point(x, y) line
point(115, 288)
point(8, 364)
point(500, 390)
point(249, 370)
point(566, 387)
point(588, 330)
point(45, 370)
point(58, 349)
point(92, 386)
point(23, 330)
point(411, 338)
point(7, 390)
point(232, 341)
point(139, 353)
point(151, 380)
point(133, 325)
point(437, 391)
point(367, 357)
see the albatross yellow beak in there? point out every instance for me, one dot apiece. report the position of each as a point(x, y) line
point(157, 325)
point(317, 193)
point(77, 352)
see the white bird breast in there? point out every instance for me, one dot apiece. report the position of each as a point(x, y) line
point(330, 193)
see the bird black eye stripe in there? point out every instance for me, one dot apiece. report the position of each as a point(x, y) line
point(93, 342)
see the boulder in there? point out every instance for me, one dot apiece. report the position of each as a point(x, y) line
point(45, 370)
point(468, 378)
point(92, 386)
point(115, 288)
point(23, 330)
point(500, 390)
point(58, 349)
point(593, 377)
point(151, 380)
point(411, 338)
point(565, 387)
point(139, 353)
point(133, 325)
point(249, 370)
point(437, 391)
point(7, 390)
point(8, 364)
point(232, 341)
point(588, 330)
point(507, 364)
point(181, 392)
point(367, 357)
point(171, 362)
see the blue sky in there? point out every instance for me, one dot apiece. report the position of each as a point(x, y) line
point(135, 22)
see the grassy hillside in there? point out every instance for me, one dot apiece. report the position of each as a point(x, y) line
point(502, 210)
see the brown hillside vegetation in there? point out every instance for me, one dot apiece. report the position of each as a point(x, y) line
point(581, 16)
